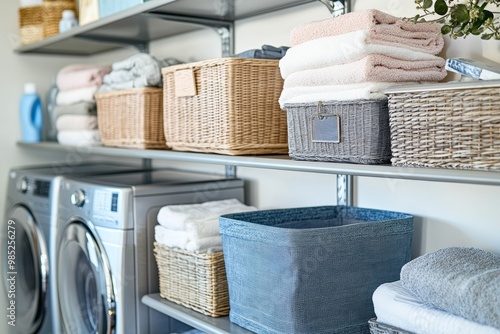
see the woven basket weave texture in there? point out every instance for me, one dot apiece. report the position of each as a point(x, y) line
point(52, 14)
point(196, 281)
point(131, 118)
point(381, 328)
point(30, 24)
point(235, 109)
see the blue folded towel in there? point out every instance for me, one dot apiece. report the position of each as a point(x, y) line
point(462, 281)
point(266, 52)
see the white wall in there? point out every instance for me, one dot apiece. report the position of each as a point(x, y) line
point(446, 214)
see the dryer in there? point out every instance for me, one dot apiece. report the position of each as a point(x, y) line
point(27, 228)
point(105, 261)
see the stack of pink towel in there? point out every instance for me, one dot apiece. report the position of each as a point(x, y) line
point(357, 56)
point(75, 110)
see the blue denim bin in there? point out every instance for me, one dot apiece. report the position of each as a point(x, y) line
point(311, 270)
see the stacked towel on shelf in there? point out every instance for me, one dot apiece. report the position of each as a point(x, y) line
point(360, 54)
point(265, 52)
point(195, 227)
point(137, 71)
point(75, 109)
point(452, 290)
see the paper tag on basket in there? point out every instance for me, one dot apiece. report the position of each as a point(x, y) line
point(185, 84)
point(325, 128)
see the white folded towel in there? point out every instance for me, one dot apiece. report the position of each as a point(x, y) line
point(397, 306)
point(76, 122)
point(345, 48)
point(177, 217)
point(79, 138)
point(179, 239)
point(72, 96)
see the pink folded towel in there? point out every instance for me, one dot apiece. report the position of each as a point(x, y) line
point(73, 96)
point(81, 75)
point(374, 67)
point(384, 29)
point(76, 122)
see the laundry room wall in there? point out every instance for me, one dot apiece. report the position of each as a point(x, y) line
point(446, 214)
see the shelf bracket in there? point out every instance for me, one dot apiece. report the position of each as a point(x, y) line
point(230, 171)
point(344, 189)
point(225, 29)
point(337, 7)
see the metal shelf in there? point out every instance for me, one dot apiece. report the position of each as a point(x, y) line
point(149, 21)
point(283, 162)
point(209, 325)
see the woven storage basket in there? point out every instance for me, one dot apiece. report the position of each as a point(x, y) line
point(227, 105)
point(52, 14)
point(451, 125)
point(30, 24)
point(363, 128)
point(131, 118)
point(196, 281)
point(381, 328)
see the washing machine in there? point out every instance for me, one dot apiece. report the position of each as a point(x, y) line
point(105, 261)
point(26, 233)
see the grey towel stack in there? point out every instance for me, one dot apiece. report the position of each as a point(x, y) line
point(462, 281)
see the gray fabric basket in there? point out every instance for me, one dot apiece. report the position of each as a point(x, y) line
point(311, 270)
point(364, 132)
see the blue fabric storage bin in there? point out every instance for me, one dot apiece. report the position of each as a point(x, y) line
point(108, 7)
point(311, 270)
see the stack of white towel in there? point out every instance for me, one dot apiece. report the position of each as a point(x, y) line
point(195, 227)
point(357, 56)
point(453, 290)
point(75, 107)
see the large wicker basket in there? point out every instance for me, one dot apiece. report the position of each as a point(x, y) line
point(30, 24)
point(131, 118)
point(449, 125)
point(52, 14)
point(227, 106)
point(196, 281)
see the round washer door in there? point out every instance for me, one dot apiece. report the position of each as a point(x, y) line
point(25, 269)
point(86, 295)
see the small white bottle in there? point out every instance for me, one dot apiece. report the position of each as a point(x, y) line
point(68, 21)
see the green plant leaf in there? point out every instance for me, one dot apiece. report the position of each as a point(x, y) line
point(440, 7)
point(445, 30)
point(486, 36)
point(427, 4)
point(487, 15)
point(460, 13)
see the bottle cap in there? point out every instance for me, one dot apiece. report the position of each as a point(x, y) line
point(68, 14)
point(29, 88)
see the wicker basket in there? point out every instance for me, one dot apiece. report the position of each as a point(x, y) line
point(52, 14)
point(196, 281)
point(227, 106)
point(30, 24)
point(131, 118)
point(452, 125)
point(359, 131)
point(381, 328)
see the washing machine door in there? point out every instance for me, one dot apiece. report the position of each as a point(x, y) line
point(84, 282)
point(25, 270)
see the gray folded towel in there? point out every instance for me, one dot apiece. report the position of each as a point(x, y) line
point(462, 281)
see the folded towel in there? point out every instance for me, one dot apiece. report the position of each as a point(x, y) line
point(347, 92)
point(373, 67)
point(76, 122)
point(344, 48)
point(80, 108)
point(179, 239)
point(267, 52)
point(72, 96)
point(205, 245)
point(177, 217)
point(384, 29)
point(397, 306)
point(79, 138)
point(459, 280)
point(81, 75)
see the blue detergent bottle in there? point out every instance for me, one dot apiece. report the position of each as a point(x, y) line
point(31, 114)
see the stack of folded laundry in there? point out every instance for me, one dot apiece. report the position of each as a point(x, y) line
point(357, 56)
point(137, 71)
point(75, 106)
point(452, 290)
point(195, 227)
point(265, 52)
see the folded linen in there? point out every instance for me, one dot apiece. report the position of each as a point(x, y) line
point(72, 96)
point(397, 306)
point(347, 92)
point(462, 281)
point(266, 52)
point(179, 239)
point(374, 67)
point(81, 75)
point(79, 138)
point(80, 108)
point(344, 48)
point(76, 122)
point(177, 217)
point(384, 29)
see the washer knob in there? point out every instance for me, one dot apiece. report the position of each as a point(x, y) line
point(22, 185)
point(78, 198)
